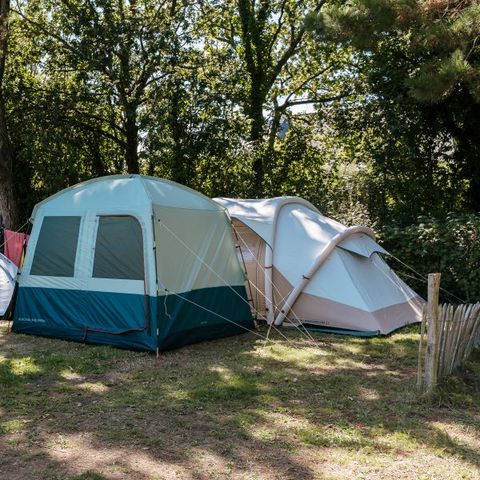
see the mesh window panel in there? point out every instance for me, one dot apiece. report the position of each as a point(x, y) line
point(56, 247)
point(119, 249)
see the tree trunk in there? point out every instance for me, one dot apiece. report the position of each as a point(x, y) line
point(255, 112)
point(131, 139)
point(98, 165)
point(180, 166)
point(8, 206)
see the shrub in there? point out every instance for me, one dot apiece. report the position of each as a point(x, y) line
point(450, 246)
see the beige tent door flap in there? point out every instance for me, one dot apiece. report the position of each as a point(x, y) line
point(253, 250)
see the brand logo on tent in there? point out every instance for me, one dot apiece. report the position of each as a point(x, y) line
point(32, 320)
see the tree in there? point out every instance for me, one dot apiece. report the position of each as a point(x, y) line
point(115, 53)
point(424, 55)
point(8, 207)
point(266, 47)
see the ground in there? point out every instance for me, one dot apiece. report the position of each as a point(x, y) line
point(339, 408)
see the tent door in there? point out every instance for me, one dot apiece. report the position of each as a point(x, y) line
point(252, 255)
point(118, 297)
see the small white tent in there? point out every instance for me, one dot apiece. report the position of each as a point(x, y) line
point(8, 276)
point(309, 268)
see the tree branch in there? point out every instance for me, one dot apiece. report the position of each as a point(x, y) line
point(306, 81)
point(291, 49)
point(312, 101)
point(278, 29)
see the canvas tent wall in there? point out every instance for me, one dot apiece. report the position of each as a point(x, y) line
point(131, 261)
point(307, 267)
point(8, 276)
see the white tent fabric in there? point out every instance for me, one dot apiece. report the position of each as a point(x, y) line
point(314, 269)
point(8, 276)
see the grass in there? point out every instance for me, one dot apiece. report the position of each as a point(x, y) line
point(233, 408)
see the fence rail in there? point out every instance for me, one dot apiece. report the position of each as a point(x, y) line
point(448, 335)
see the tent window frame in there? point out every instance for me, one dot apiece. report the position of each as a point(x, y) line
point(40, 270)
point(142, 250)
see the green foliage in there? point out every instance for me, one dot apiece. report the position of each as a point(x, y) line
point(441, 38)
point(369, 109)
point(439, 77)
point(229, 174)
point(421, 68)
point(450, 246)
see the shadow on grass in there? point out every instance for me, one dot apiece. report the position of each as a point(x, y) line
point(225, 408)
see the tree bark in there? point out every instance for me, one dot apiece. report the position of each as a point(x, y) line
point(256, 102)
point(180, 167)
point(131, 139)
point(98, 165)
point(256, 65)
point(255, 112)
point(8, 206)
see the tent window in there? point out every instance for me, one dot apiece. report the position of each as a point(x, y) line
point(119, 248)
point(56, 247)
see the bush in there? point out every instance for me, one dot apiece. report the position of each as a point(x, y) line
point(450, 246)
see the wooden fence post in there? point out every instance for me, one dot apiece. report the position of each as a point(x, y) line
point(421, 361)
point(431, 360)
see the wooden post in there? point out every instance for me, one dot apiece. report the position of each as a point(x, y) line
point(420, 351)
point(431, 360)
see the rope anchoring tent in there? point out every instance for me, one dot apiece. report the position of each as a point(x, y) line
point(171, 232)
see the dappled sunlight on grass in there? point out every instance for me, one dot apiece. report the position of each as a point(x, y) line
point(95, 387)
point(80, 449)
point(367, 393)
point(13, 426)
point(69, 374)
point(24, 366)
point(231, 408)
point(335, 436)
point(457, 439)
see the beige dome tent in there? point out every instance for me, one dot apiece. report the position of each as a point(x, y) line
point(305, 267)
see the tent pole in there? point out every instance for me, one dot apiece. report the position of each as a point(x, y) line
point(322, 257)
point(269, 283)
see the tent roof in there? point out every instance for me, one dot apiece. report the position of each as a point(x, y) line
point(128, 191)
point(261, 216)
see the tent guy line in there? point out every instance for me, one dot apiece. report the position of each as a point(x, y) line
point(305, 331)
point(425, 279)
point(215, 313)
point(208, 266)
point(262, 317)
point(16, 231)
